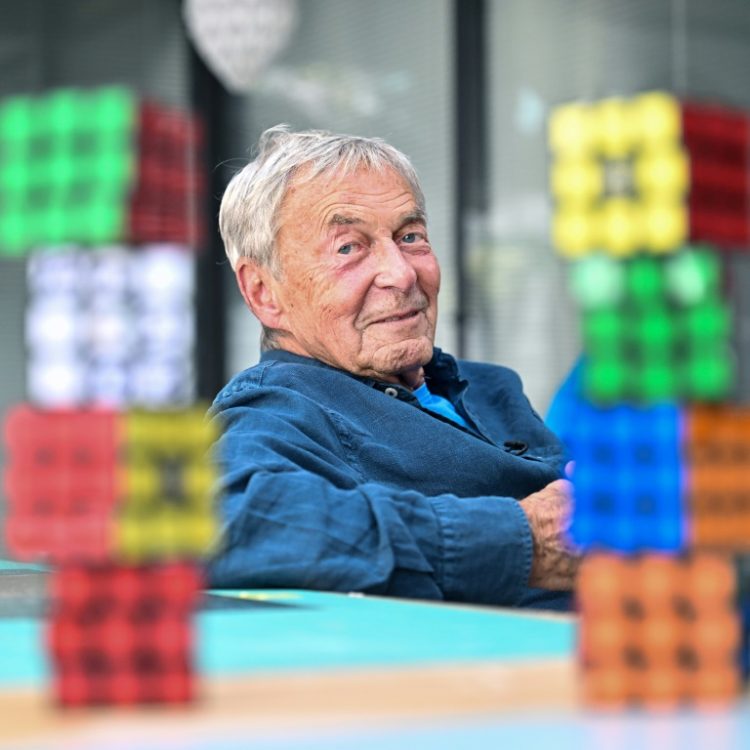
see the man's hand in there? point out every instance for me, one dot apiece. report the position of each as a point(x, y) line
point(555, 564)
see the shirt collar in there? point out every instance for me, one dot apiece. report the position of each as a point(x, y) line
point(441, 371)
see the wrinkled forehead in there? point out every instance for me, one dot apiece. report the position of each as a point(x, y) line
point(314, 177)
point(311, 185)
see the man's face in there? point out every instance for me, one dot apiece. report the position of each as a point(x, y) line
point(359, 281)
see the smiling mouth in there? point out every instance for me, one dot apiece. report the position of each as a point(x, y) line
point(399, 318)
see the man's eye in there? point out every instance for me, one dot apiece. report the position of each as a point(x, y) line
point(346, 249)
point(411, 237)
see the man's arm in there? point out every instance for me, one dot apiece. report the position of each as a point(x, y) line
point(298, 514)
point(296, 530)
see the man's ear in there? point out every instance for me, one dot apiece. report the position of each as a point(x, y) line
point(259, 290)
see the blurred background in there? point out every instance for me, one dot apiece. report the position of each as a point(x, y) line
point(464, 87)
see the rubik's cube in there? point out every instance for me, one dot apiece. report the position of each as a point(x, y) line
point(628, 478)
point(653, 328)
point(112, 328)
point(649, 174)
point(123, 635)
point(95, 167)
point(123, 504)
point(658, 630)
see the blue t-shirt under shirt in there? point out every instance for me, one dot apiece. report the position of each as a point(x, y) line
point(438, 405)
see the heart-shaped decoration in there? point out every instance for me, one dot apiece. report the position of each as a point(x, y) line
point(238, 39)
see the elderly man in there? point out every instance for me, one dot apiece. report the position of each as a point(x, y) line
point(356, 456)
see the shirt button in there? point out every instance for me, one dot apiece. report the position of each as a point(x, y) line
point(516, 447)
point(392, 392)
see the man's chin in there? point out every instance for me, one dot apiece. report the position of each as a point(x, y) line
point(397, 358)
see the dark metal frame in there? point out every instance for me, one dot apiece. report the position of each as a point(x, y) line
point(470, 140)
point(211, 101)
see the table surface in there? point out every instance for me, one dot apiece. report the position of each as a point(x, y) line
point(283, 669)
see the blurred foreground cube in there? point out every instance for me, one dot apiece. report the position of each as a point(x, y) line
point(655, 329)
point(648, 173)
point(95, 167)
point(659, 631)
point(628, 478)
point(111, 327)
point(123, 635)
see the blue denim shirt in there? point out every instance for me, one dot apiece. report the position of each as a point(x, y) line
point(336, 482)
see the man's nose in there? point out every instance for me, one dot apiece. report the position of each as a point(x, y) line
point(393, 267)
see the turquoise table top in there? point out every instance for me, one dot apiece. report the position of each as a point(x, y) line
point(240, 632)
point(319, 630)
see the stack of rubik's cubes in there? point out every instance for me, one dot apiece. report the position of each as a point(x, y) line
point(119, 501)
point(652, 210)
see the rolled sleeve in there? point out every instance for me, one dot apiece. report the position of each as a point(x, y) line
point(487, 549)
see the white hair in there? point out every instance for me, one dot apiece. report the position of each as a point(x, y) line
point(248, 217)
